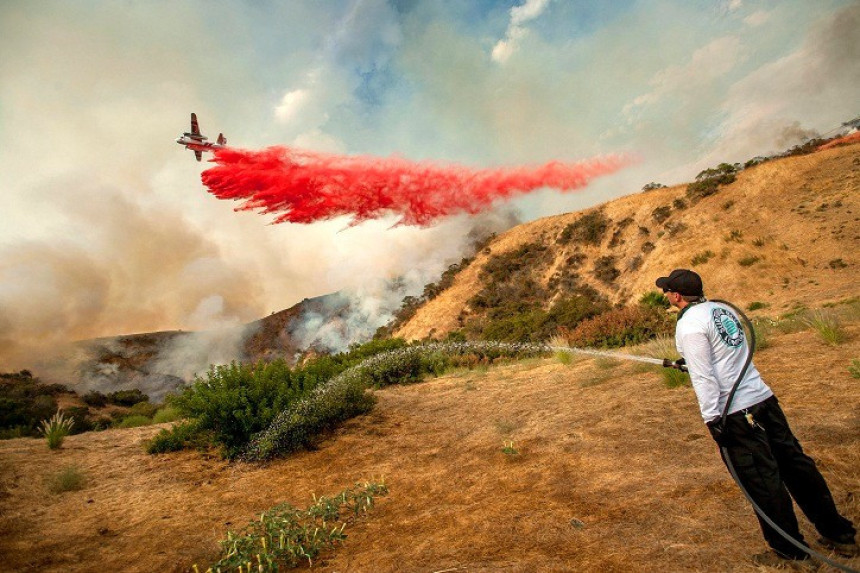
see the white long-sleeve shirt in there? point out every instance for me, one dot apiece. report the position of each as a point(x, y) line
point(710, 338)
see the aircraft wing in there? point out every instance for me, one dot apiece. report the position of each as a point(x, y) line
point(198, 154)
point(195, 129)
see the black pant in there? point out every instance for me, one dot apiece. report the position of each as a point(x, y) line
point(769, 460)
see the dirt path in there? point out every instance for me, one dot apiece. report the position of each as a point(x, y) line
point(614, 473)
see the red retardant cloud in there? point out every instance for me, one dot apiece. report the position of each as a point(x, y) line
point(306, 186)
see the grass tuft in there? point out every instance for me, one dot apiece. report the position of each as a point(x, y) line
point(854, 368)
point(70, 478)
point(827, 326)
point(675, 378)
point(56, 429)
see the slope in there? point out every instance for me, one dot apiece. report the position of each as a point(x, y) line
point(614, 472)
point(785, 233)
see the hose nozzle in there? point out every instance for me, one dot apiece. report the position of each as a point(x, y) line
point(679, 364)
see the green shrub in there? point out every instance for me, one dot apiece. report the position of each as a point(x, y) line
point(146, 409)
point(702, 258)
point(837, 264)
point(56, 429)
point(95, 399)
point(589, 229)
point(166, 414)
point(604, 269)
point(134, 421)
point(679, 204)
point(622, 327)
point(854, 368)
point(80, 418)
point(655, 299)
point(285, 537)
point(70, 478)
point(709, 181)
point(756, 305)
point(181, 436)
point(127, 398)
point(24, 403)
point(660, 214)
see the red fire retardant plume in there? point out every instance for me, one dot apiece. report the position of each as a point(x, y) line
point(305, 186)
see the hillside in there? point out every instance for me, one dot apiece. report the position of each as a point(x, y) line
point(614, 472)
point(785, 233)
point(159, 362)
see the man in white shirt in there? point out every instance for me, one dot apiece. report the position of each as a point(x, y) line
point(755, 436)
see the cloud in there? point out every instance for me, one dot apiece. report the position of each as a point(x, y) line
point(762, 112)
point(757, 18)
point(520, 16)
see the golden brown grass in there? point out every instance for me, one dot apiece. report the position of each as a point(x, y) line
point(616, 476)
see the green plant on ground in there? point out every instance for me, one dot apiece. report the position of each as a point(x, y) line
point(285, 536)
point(673, 378)
point(185, 434)
point(606, 363)
point(702, 258)
point(146, 409)
point(166, 414)
point(748, 261)
point(837, 264)
point(762, 330)
point(759, 242)
point(655, 299)
point(734, 236)
point(854, 368)
point(827, 326)
point(56, 429)
point(70, 478)
point(756, 305)
point(508, 449)
point(134, 421)
point(588, 229)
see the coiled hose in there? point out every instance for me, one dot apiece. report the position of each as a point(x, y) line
point(725, 453)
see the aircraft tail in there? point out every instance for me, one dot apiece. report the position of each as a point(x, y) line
point(221, 139)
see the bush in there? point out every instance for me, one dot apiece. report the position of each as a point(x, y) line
point(653, 186)
point(854, 368)
point(127, 398)
point(622, 327)
point(709, 181)
point(143, 409)
point(588, 229)
point(134, 421)
point(748, 261)
point(604, 269)
point(756, 305)
point(166, 414)
point(660, 214)
point(80, 419)
point(673, 378)
point(69, 479)
point(24, 403)
point(181, 436)
point(655, 299)
point(95, 399)
point(827, 326)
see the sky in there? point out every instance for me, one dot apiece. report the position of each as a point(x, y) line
point(105, 227)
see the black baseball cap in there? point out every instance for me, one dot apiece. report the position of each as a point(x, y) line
point(683, 282)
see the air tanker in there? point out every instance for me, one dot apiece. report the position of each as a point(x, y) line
point(197, 142)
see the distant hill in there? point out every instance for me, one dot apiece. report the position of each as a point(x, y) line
point(784, 233)
point(158, 362)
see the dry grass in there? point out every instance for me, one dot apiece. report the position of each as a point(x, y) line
point(770, 195)
point(617, 476)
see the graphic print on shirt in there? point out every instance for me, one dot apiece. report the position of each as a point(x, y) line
point(728, 327)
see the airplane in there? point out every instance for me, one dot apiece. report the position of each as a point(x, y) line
point(198, 142)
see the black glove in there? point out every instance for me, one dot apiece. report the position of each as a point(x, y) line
point(681, 365)
point(718, 432)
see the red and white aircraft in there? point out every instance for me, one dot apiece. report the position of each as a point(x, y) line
point(198, 142)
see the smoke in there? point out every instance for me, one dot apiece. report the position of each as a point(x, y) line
point(354, 315)
point(307, 186)
point(793, 134)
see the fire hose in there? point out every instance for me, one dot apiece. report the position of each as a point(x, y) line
point(724, 452)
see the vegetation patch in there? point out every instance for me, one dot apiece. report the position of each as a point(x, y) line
point(70, 478)
point(604, 269)
point(748, 261)
point(56, 429)
point(285, 537)
point(702, 258)
point(710, 180)
point(621, 327)
point(588, 229)
point(660, 214)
